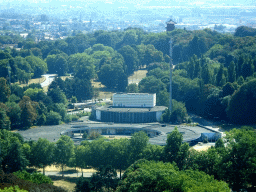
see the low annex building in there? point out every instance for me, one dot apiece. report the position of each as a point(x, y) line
point(130, 108)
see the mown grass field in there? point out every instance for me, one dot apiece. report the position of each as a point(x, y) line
point(65, 182)
point(68, 183)
point(105, 93)
point(137, 76)
point(37, 80)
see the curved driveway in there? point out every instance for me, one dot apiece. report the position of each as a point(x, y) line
point(49, 78)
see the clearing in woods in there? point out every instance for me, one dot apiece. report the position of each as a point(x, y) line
point(37, 80)
point(66, 182)
point(137, 76)
point(105, 93)
point(102, 92)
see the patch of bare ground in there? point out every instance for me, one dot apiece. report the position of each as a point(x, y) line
point(45, 89)
point(103, 91)
point(68, 183)
point(140, 74)
point(66, 77)
point(201, 148)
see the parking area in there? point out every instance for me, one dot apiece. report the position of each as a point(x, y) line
point(53, 133)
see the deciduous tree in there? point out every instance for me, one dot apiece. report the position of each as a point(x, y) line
point(5, 90)
point(63, 151)
point(42, 153)
point(28, 111)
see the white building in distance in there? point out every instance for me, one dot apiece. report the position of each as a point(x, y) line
point(139, 100)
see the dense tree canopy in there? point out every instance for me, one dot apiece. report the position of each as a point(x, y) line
point(12, 153)
point(57, 64)
point(28, 111)
point(148, 175)
point(214, 76)
point(244, 31)
point(5, 90)
point(42, 153)
point(63, 151)
point(242, 104)
point(130, 57)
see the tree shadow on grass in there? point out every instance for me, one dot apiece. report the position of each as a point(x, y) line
point(72, 171)
point(31, 170)
point(68, 179)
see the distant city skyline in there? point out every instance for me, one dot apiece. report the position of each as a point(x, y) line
point(64, 17)
point(134, 2)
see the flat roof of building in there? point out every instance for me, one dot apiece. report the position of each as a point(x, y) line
point(134, 93)
point(52, 133)
point(131, 109)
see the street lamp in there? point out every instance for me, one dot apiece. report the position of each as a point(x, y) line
point(170, 102)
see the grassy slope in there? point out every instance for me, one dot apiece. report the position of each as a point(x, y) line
point(37, 80)
point(108, 93)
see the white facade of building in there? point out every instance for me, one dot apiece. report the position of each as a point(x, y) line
point(134, 100)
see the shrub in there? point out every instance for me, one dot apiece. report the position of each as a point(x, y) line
point(83, 185)
point(68, 118)
point(83, 114)
point(100, 104)
point(73, 99)
point(53, 118)
point(11, 180)
point(94, 135)
point(34, 177)
point(11, 189)
point(75, 117)
point(85, 135)
point(189, 120)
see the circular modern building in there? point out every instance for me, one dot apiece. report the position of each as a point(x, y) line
point(128, 115)
point(130, 108)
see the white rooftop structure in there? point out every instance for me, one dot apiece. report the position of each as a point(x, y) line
point(134, 100)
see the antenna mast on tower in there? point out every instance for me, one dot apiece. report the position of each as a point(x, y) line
point(170, 102)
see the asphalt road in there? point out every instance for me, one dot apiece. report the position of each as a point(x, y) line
point(49, 78)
